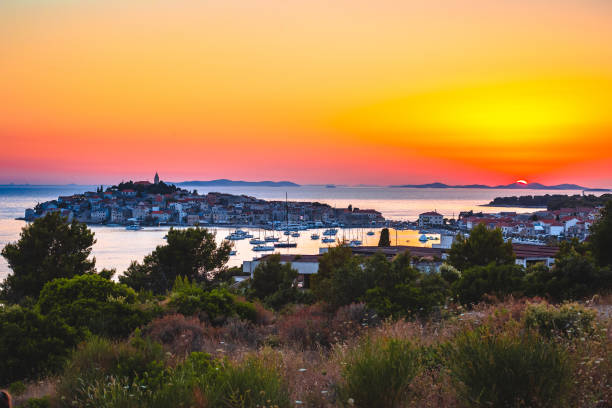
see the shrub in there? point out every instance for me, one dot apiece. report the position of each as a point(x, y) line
point(189, 298)
point(246, 311)
point(274, 283)
point(509, 369)
point(180, 334)
point(139, 361)
point(32, 345)
point(43, 402)
point(349, 320)
point(497, 280)
point(307, 328)
point(253, 383)
point(568, 320)
point(378, 372)
point(94, 303)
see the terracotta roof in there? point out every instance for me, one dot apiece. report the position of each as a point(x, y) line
point(534, 251)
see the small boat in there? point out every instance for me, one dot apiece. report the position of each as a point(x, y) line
point(355, 242)
point(261, 248)
point(423, 238)
point(328, 240)
point(234, 237)
point(370, 233)
point(256, 241)
point(233, 252)
point(134, 227)
point(285, 245)
point(330, 231)
point(314, 236)
point(271, 239)
point(295, 234)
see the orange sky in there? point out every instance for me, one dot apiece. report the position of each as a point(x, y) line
point(349, 91)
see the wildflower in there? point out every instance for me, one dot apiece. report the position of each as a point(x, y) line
point(351, 401)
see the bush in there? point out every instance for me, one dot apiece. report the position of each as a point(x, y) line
point(139, 361)
point(274, 283)
point(189, 299)
point(253, 383)
point(32, 345)
point(179, 334)
point(246, 311)
point(568, 320)
point(496, 280)
point(509, 369)
point(307, 328)
point(198, 381)
point(92, 302)
point(378, 373)
point(43, 402)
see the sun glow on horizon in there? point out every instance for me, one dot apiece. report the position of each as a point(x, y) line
point(521, 182)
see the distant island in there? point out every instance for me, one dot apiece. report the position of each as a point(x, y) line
point(237, 183)
point(513, 186)
point(551, 202)
point(138, 203)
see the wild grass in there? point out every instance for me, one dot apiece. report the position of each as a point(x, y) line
point(509, 368)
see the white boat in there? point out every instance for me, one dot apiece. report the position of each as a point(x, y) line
point(261, 248)
point(355, 242)
point(315, 236)
point(370, 233)
point(271, 239)
point(287, 232)
point(256, 241)
point(248, 235)
point(328, 240)
point(330, 231)
point(234, 237)
point(295, 234)
point(133, 227)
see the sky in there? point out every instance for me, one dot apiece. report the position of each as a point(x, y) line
point(349, 91)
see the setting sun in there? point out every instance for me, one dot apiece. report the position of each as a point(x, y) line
point(521, 182)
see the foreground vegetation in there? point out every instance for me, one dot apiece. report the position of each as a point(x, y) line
point(175, 330)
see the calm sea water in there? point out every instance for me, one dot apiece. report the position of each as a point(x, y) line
point(117, 247)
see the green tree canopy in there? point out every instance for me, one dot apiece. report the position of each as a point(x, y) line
point(496, 280)
point(274, 282)
point(481, 248)
point(384, 240)
point(401, 289)
point(32, 345)
point(601, 237)
point(342, 277)
point(574, 275)
point(47, 249)
point(94, 304)
point(191, 253)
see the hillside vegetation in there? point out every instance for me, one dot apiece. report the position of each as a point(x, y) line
point(175, 331)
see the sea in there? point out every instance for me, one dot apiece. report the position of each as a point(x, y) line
point(117, 247)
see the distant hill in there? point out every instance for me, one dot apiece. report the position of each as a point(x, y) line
point(513, 186)
point(238, 183)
